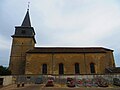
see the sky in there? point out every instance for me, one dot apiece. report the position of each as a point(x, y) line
point(79, 23)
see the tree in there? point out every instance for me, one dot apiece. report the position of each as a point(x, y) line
point(4, 71)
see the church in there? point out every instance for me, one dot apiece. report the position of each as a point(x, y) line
point(26, 59)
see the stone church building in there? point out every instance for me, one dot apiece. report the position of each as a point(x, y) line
point(27, 59)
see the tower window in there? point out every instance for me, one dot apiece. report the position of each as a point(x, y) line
point(77, 70)
point(44, 69)
point(61, 69)
point(23, 32)
point(92, 67)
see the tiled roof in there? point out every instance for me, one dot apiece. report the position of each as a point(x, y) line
point(69, 50)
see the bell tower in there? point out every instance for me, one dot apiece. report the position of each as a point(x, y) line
point(23, 41)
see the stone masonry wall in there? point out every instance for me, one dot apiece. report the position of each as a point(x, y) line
point(34, 62)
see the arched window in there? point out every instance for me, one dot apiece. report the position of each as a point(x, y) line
point(44, 69)
point(92, 67)
point(61, 68)
point(77, 70)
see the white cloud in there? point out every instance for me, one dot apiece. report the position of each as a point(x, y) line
point(4, 43)
point(86, 22)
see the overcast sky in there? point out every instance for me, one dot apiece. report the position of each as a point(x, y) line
point(63, 23)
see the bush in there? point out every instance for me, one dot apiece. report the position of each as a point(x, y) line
point(4, 71)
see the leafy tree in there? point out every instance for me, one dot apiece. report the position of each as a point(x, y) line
point(4, 71)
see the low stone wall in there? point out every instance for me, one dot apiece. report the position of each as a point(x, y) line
point(91, 80)
point(7, 80)
point(79, 80)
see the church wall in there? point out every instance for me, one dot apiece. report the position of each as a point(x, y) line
point(111, 58)
point(95, 58)
point(17, 65)
point(18, 54)
point(34, 62)
point(21, 45)
point(68, 60)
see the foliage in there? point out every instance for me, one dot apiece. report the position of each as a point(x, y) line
point(4, 71)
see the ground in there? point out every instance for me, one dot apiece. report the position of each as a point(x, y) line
point(41, 87)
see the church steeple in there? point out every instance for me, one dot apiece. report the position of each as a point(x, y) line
point(26, 22)
point(23, 41)
point(25, 30)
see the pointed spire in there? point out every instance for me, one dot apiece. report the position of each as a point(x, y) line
point(26, 22)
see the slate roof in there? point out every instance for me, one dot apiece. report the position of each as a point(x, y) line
point(69, 50)
point(25, 30)
point(113, 70)
point(26, 22)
